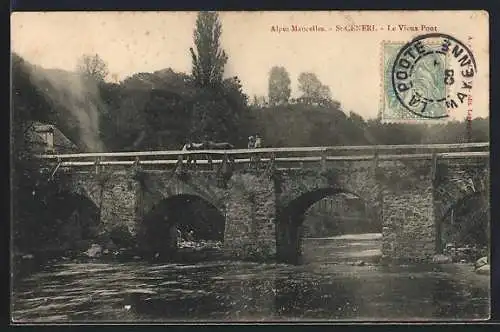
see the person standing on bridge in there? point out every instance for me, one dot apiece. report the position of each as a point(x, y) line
point(251, 142)
point(258, 142)
point(257, 145)
point(251, 145)
point(187, 147)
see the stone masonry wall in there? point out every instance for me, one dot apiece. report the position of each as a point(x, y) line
point(114, 193)
point(408, 225)
point(119, 202)
point(250, 217)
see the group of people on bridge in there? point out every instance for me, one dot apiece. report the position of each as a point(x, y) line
point(255, 142)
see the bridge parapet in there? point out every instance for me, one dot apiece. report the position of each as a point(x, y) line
point(289, 158)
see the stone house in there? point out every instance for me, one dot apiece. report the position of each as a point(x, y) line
point(46, 138)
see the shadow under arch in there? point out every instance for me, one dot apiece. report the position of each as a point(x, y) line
point(291, 217)
point(467, 221)
point(71, 221)
point(176, 216)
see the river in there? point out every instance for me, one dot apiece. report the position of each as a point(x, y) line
point(327, 286)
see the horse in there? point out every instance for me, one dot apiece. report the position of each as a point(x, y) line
point(207, 145)
point(193, 146)
point(190, 147)
point(219, 146)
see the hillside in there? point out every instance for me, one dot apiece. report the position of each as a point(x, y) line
point(161, 110)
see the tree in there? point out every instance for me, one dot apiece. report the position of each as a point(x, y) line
point(209, 59)
point(325, 93)
point(233, 90)
point(312, 89)
point(218, 103)
point(166, 119)
point(212, 118)
point(357, 119)
point(259, 101)
point(28, 182)
point(92, 66)
point(279, 86)
point(255, 101)
point(28, 105)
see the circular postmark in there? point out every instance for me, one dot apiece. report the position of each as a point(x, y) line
point(432, 75)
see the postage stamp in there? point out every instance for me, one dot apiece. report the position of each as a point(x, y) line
point(392, 109)
point(426, 79)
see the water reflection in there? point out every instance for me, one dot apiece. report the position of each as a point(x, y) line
point(322, 289)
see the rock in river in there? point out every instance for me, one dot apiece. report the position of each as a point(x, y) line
point(441, 259)
point(480, 262)
point(94, 251)
point(359, 263)
point(485, 269)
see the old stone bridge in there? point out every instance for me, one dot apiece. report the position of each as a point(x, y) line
point(262, 194)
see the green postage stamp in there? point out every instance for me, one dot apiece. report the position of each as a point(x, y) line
point(426, 79)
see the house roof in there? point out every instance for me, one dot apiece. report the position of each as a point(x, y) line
point(61, 142)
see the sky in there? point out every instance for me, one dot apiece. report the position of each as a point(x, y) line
point(349, 62)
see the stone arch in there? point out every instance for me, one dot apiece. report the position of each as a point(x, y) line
point(446, 219)
point(158, 187)
point(85, 185)
point(458, 186)
point(75, 218)
point(301, 203)
point(290, 217)
point(175, 213)
point(361, 183)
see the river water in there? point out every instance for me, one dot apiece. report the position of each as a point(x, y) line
point(327, 286)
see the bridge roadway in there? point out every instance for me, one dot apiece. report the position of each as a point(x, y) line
point(408, 189)
point(279, 155)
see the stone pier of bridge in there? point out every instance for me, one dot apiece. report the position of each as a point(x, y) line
point(263, 210)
